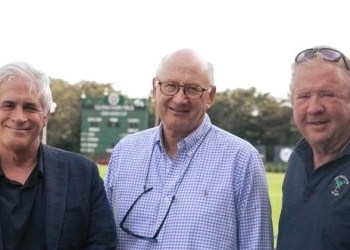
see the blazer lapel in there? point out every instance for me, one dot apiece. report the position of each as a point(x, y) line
point(56, 178)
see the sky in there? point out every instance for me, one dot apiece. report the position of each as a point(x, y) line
point(251, 43)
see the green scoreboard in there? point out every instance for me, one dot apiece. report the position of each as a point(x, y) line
point(107, 119)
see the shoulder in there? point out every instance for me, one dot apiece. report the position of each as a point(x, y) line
point(227, 139)
point(63, 167)
point(232, 150)
point(138, 139)
point(63, 155)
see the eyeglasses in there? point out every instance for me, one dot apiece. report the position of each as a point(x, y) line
point(130, 232)
point(145, 191)
point(328, 54)
point(191, 90)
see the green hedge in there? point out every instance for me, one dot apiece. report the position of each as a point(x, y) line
point(275, 167)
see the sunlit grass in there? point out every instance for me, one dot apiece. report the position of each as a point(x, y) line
point(103, 170)
point(275, 190)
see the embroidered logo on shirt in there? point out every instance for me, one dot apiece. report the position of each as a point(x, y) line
point(338, 184)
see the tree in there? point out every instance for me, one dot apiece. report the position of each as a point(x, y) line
point(256, 117)
point(64, 125)
point(91, 88)
point(63, 130)
point(234, 111)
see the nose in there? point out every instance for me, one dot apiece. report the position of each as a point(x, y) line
point(179, 89)
point(19, 115)
point(315, 105)
point(180, 96)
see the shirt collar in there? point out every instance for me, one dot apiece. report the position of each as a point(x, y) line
point(39, 167)
point(304, 150)
point(191, 140)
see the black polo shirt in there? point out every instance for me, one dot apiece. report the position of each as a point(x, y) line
point(316, 203)
point(22, 216)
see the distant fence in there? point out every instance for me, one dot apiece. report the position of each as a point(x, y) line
point(275, 167)
point(279, 154)
point(275, 158)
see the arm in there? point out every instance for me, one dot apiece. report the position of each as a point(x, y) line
point(253, 207)
point(102, 229)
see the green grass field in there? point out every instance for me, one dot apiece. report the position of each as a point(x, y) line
point(275, 190)
point(103, 171)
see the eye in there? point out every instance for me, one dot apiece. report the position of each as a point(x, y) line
point(7, 105)
point(327, 94)
point(30, 108)
point(170, 86)
point(193, 89)
point(302, 96)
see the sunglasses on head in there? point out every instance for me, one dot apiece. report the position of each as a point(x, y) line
point(328, 54)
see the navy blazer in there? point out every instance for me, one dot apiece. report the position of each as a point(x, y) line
point(77, 213)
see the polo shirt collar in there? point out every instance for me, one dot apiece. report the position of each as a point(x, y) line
point(304, 150)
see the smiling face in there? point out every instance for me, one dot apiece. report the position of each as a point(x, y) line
point(321, 104)
point(180, 114)
point(22, 117)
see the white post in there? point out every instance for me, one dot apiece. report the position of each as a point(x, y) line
point(44, 135)
point(44, 132)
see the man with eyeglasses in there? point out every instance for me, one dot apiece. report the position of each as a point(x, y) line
point(316, 192)
point(187, 184)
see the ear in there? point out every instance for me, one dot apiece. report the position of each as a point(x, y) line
point(211, 96)
point(46, 119)
point(154, 88)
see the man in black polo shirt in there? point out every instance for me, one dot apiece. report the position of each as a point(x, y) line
point(316, 191)
point(49, 198)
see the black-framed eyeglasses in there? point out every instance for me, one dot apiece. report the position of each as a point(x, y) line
point(191, 90)
point(328, 54)
point(130, 232)
point(145, 191)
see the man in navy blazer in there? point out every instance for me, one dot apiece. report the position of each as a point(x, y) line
point(49, 198)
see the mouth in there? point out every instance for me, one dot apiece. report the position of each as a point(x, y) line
point(179, 111)
point(17, 129)
point(317, 123)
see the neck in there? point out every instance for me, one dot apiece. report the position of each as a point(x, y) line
point(170, 145)
point(171, 140)
point(321, 156)
point(18, 166)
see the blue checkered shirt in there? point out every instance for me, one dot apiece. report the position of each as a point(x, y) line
point(219, 184)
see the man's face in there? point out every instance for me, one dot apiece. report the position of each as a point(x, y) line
point(179, 113)
point(21, 116)
point(321, 104)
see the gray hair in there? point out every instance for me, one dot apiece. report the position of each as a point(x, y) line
point(34, 78)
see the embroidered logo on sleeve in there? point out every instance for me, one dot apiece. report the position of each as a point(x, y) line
point(338, 184)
